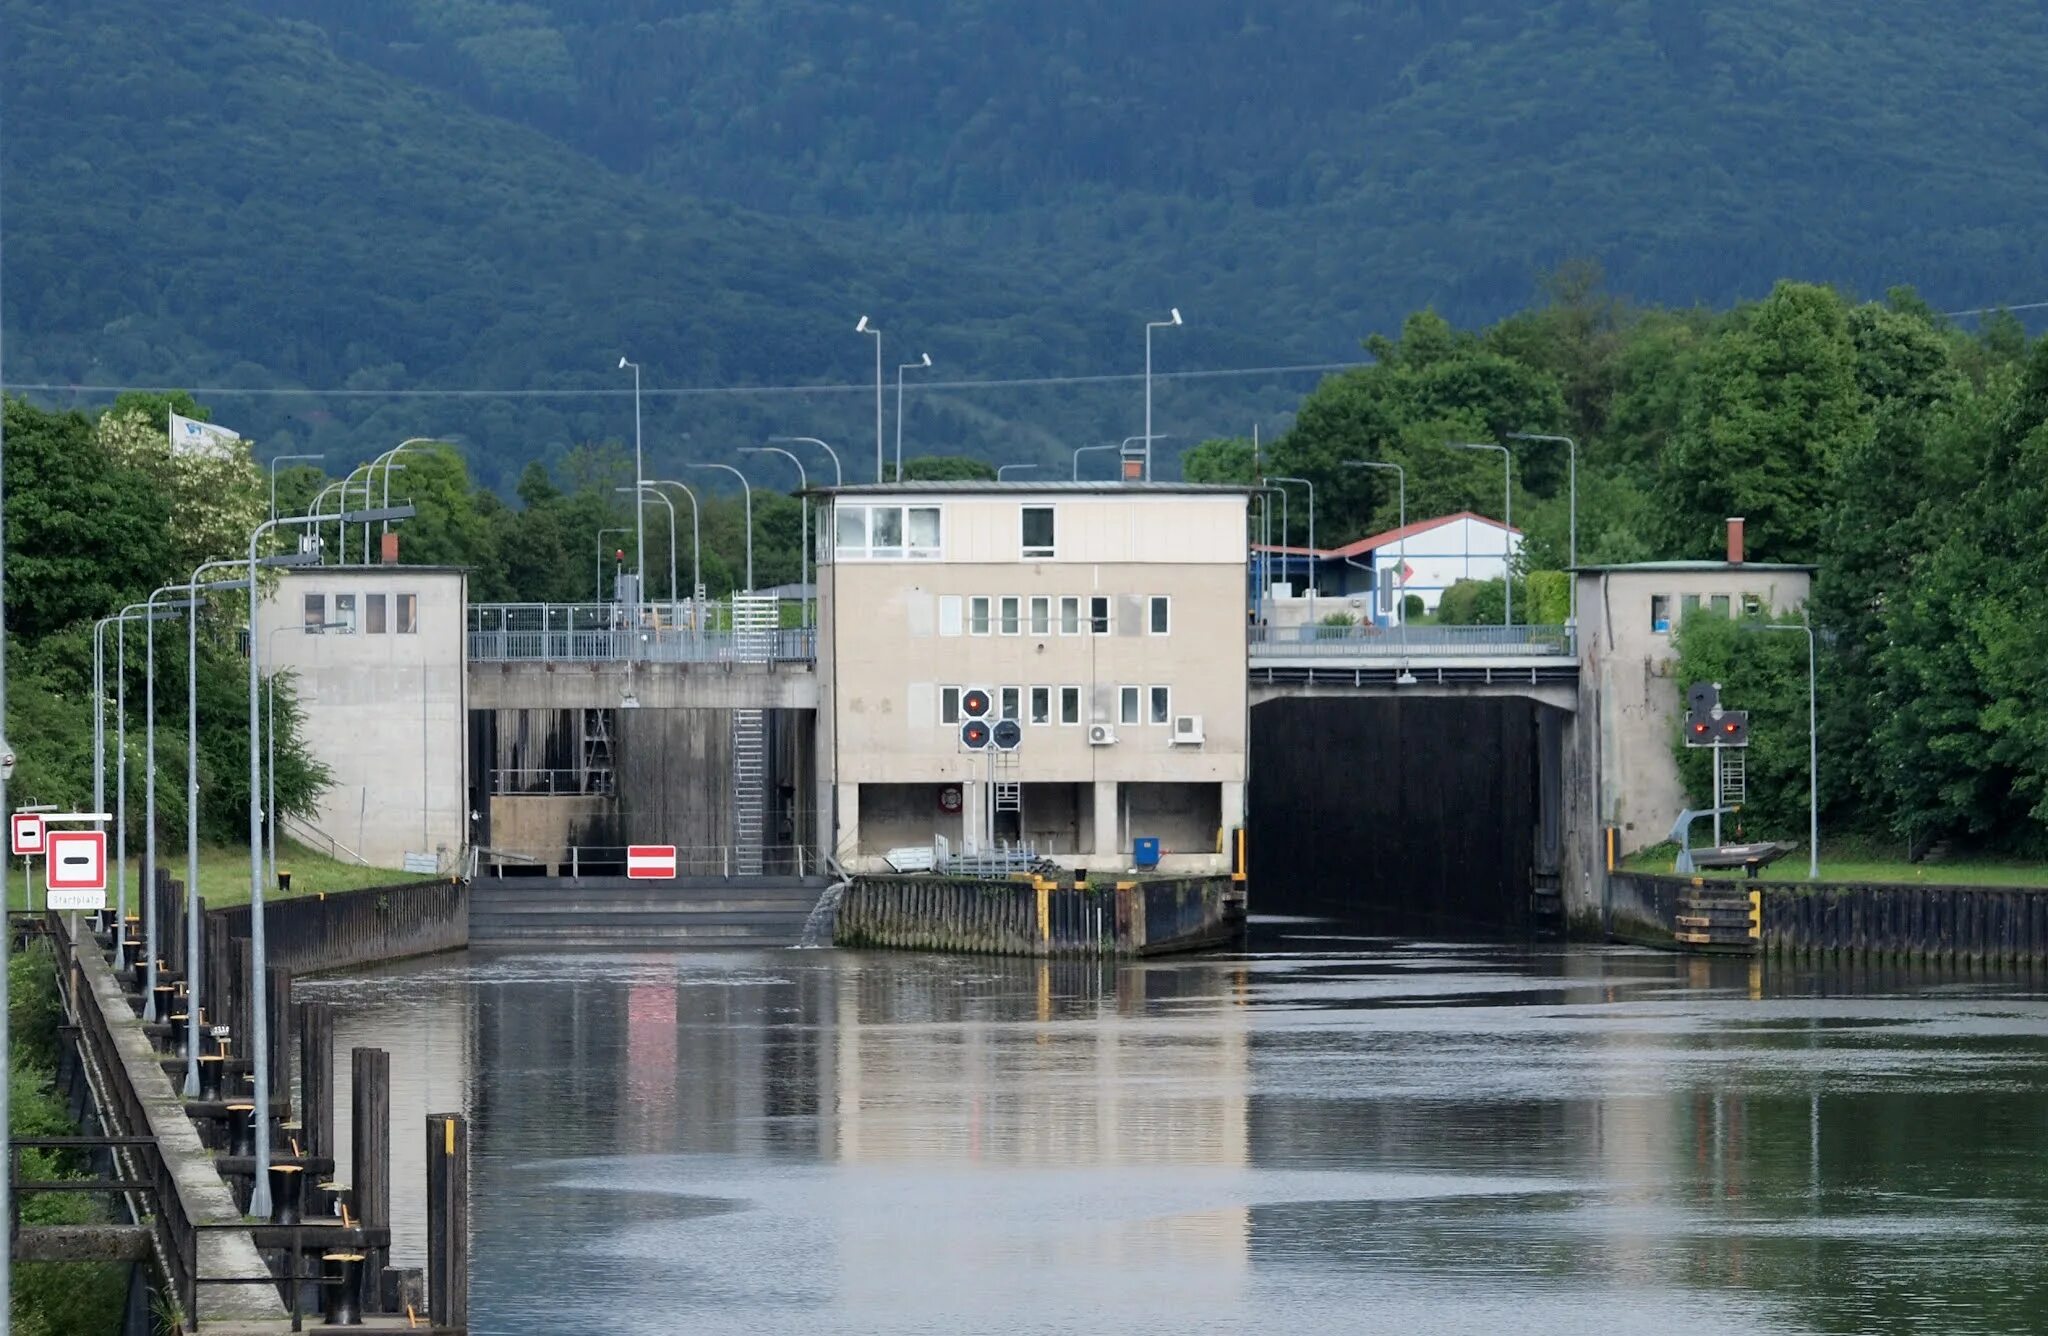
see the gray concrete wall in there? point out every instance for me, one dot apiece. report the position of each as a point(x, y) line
point(895, 816)
point(1184, 817)
point(694, 686)
point(672, 777)
point(330, 932)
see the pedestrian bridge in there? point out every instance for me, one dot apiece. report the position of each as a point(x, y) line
point(1535, 661)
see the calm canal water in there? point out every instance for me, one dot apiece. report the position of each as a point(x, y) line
point(1336, 1135)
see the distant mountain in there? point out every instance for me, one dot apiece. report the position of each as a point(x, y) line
point(1308, 172)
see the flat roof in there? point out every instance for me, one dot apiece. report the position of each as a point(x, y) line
point(372, 568)
point(1696, 567)
point(1084, 487)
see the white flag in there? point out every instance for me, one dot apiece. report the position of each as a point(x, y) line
point(190, 437)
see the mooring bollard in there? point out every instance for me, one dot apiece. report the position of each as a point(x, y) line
point(241, 1128)
point(160, 1008)
point(210, 1065)
point(180, 1030)
point(344, 1285)
point(287, 1181)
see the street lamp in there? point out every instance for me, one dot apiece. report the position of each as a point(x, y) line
point(1406, 678)
point(696, 549)
point(639, 481)
point(1001, 469)
point(646, 490)
point(1151, 325)
point(803, 485)
point(748, 492)
point(600, 561)
point(1507, 466)
point(1572, 456)
point(275, 460)
point(1812, 751)
point(120, 620)
point(838, 478)
point(1080, 450)
point(924, 360)
point(259, 983)
point(270, 729)
point(1304, 482)
point(865, 328)
point(390, 463)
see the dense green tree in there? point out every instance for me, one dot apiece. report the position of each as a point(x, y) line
point(947, 468)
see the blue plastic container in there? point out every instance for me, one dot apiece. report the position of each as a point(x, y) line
point(1145, 851)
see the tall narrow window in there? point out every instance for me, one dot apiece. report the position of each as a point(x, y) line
point(407, 607)
point(1660, 613)
point(850, 524)
point(1162, 706)
point(373, 614)
point(1041, 616)
point(1098, 614)
point(1008, 697)
point(316, 613)
point(886, 532)
point(977, 615)
point(345, 614)
point(949, 614)
point(1041, 705)
point(1009, 607)
point(1127, 705)
point(1070, 705)
point(1161, 615)
point(1037, 533)
point(1070, 616)
point(949, 705)
point(923, 532)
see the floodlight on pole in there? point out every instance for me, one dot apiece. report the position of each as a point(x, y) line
point(639, 482)
point(1171, 323)
point(865, 328)
point(924, 360)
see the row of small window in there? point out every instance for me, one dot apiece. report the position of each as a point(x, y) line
point(398, 614)
point(893, 533)
point(1722, 605)
point(1036, 705)
point(1010, 615)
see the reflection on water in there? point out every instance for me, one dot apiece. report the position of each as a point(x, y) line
point(1347, 1135)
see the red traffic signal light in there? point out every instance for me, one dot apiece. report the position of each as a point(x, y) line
point(975, 704)
point(619, 554)
point(1699, 728)
point(974, 734)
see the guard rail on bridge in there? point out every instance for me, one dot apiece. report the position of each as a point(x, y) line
point(608, 632)
point(1350, 643)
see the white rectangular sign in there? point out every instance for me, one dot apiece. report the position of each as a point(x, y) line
point(651, 861)
point(89, 902)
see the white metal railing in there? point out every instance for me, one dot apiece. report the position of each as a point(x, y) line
point(314, 838)
point(1418, 642)
point(606, 860)
point(682, 632)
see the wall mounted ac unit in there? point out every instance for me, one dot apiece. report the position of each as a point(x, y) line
point(1101, 735)
point(1187, 730)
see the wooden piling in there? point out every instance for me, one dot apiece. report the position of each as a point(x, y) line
point(278, 1000)
point(370, 1134)
point(447, 1220)
point(316, 1076)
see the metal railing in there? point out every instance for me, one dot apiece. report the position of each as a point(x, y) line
point(708, 860)
point(603, 632)
point(1413, 642)
point(532, 780)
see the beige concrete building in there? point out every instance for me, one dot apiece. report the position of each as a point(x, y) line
point(1107, 619)
point(377, 653)
point(1629, 690)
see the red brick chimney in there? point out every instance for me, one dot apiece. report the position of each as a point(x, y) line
point(1134, 468)
point(389, 549)
point(1735, 540)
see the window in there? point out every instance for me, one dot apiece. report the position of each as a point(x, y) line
point(949, 705)
point(1161, 615)
point(1688, 604)
point(1752, 605)
point(1009, 699)
point(949, 614)
point(923, 531)
point(1127, 705)
point(1070, 616)
point(977, 615)
point(1037, 532)
point(1719, 603)
point(1098, 614)
point(1009, 607)
point(851, 526)
point(407, 607)
point(373, 614)
point(1660, 613)
point(1162, 706)
point(1070, 705)
point(316, 613)
point(1041, 616)
point(345, 614)
point(886, 533)
point(1041, 705)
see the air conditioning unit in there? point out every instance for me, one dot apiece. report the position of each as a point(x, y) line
point(311, 543)
point(1187, 730)
point(1101, 735)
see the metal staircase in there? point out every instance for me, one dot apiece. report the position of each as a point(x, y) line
point(755, 620)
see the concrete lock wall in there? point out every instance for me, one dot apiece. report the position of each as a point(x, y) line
point(896, 816)
point(309, 933)
point(673, 781)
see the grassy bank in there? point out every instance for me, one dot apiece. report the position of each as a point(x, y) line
point(1863, 861)
point(224, 874)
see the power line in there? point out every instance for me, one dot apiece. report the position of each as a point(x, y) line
point(678, 392)
point(1987, 310)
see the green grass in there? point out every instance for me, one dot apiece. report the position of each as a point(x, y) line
point(224, 874)
point(1864, 861)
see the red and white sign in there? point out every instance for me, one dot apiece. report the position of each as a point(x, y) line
point(656, 862)
point(28, 833)
point(75, 872)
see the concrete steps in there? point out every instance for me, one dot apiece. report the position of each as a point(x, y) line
point(639, 915)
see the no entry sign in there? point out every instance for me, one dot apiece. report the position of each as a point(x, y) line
point(28, 833)
point(76, 875)
point(651, 862)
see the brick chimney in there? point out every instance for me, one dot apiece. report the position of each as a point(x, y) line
point(389, 549)
point(1735, 540)
point(1134, 468)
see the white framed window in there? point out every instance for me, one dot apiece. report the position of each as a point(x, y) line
point(1127, 705)
point(1070, 705)
point(345, 614)
point(1009, 698)
point(1070, 615)
point(850, 530)
point(951, 610)
point(1041, 615)
point(921, 532)
point(407, 608)
point(1041, 705)
point(977, 615)
point(1159, 615)
point(886, 533)
point(1162, 706)
point(1037, 532)
point(1009, 607)
point(1098, 615)
point(949, 705)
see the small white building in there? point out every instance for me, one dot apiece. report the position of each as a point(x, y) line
point(1424, 558)
point(377, 657)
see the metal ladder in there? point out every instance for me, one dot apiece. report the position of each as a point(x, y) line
point(755, 620)
point(597, 751)
point(1009, 795)
point(1734, 782)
